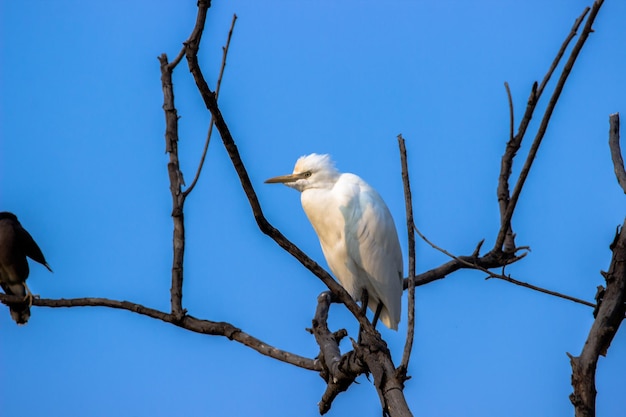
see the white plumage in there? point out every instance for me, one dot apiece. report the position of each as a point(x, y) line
point(356, 232)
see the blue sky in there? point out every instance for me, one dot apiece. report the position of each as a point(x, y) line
point(82, 164)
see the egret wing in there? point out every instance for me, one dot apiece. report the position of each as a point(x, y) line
point(373, 247)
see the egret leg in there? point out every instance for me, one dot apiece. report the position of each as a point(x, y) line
point(379, 308)
point(364, 301)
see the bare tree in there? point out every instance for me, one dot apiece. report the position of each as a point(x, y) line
point(370, 354)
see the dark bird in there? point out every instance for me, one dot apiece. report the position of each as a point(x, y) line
point(15, 245)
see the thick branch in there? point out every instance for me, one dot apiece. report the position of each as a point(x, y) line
point(608, 319)
point(374, 353)
point(339, 371)
point(187, 322)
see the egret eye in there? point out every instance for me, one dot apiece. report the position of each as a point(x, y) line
point(307, 174)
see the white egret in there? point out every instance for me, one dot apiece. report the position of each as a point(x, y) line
point(356, 232)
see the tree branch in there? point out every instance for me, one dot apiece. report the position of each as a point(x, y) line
point(408, 202)
point(211, 123)
point(187, 322)
point(608, 319)
point(387, 385)
point(176, 182)
point(472, 262)
point(175, 174)
point(339, 371)
point(211, 103)
point(616, 152)
point(507, 204)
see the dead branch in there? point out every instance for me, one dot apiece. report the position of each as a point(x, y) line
point(490, 274)
point(611, 307)
point(339, 371)
point(193, 45)
point(371, 355)
point(616, 152)
point(503, 252)
point(176, 175)
point(212, 122)
point(187, 322)
point(609, 316)
point(508, 204)
point(176, 183)
point(387, 385)
point(508, 278)
point(408, 344)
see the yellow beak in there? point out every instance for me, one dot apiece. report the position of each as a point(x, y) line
point(284, 178)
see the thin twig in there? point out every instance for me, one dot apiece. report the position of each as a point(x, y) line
point(180, 56)
point(467, 263)
point(616, 152)
point(511, 112)
point(212, 122)
point(506, 219)
point(507, 278)
point(188, 322)
point(224, 54)
point(561, 52)
point(408, 203)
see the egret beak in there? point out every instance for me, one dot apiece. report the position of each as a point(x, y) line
point(285, 179)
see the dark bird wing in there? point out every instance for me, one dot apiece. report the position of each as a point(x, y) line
point(30, 247)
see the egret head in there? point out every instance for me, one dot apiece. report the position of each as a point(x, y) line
point(311, 171)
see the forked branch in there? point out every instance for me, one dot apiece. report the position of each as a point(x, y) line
point(225, 49)
point(508, 204)
point(472, 262)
